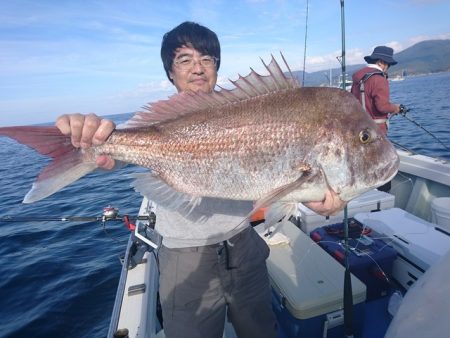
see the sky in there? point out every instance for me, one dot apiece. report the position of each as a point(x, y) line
point(102, 56)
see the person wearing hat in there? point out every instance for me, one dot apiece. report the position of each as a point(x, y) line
point(371, 86)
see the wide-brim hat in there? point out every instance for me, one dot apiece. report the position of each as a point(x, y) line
point(382, 53)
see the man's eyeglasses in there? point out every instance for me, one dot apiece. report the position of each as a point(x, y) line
point(187, 62)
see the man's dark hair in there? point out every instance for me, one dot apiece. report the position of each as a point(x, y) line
point(189, 34)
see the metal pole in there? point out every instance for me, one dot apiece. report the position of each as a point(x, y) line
point(343, 46)
point(348, 293)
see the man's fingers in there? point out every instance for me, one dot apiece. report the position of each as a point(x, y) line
point(86, 130)
point(104, 129)
point(63, 124)
point(76, 122)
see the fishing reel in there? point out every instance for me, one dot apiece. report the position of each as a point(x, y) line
point(403, 110)
point(109, 213)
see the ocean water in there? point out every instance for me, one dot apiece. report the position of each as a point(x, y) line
point(429, 102)
point(59, 279)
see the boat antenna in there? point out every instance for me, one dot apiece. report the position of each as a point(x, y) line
point(306, 37)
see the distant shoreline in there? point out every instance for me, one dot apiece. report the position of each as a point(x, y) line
point(325, 84)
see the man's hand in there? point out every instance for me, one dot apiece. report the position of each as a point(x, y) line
point(331, 204)
point(87, 130)
point(396, 109)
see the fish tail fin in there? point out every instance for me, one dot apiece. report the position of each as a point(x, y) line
point(68, 165)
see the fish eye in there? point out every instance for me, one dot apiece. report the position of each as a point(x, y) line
point(364, 136)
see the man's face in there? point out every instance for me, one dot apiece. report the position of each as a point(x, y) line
point(193, 77)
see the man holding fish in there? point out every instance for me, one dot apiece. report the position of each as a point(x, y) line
point(207, 267)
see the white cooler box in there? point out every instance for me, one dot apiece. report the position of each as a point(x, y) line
point(369, 201)
point(419, 243)
point(308, 286)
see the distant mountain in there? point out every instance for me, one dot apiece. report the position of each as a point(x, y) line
point(431, 56)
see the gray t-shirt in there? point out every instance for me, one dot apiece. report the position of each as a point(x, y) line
point(211, 222)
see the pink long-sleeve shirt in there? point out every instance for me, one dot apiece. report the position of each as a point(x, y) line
point(376, 94)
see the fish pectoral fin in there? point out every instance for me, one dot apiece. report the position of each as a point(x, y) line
point(278, 193)
point(276, 210)
point(152, 186)
point(270, 200)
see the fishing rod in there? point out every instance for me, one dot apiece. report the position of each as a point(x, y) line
point(109, 214)
point(404, 110)
point(304, 50)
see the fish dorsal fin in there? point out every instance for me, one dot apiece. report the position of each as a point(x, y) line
point(187, 103)
point(255, 84)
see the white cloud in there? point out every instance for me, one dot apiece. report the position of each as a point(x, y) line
point(420, 38)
